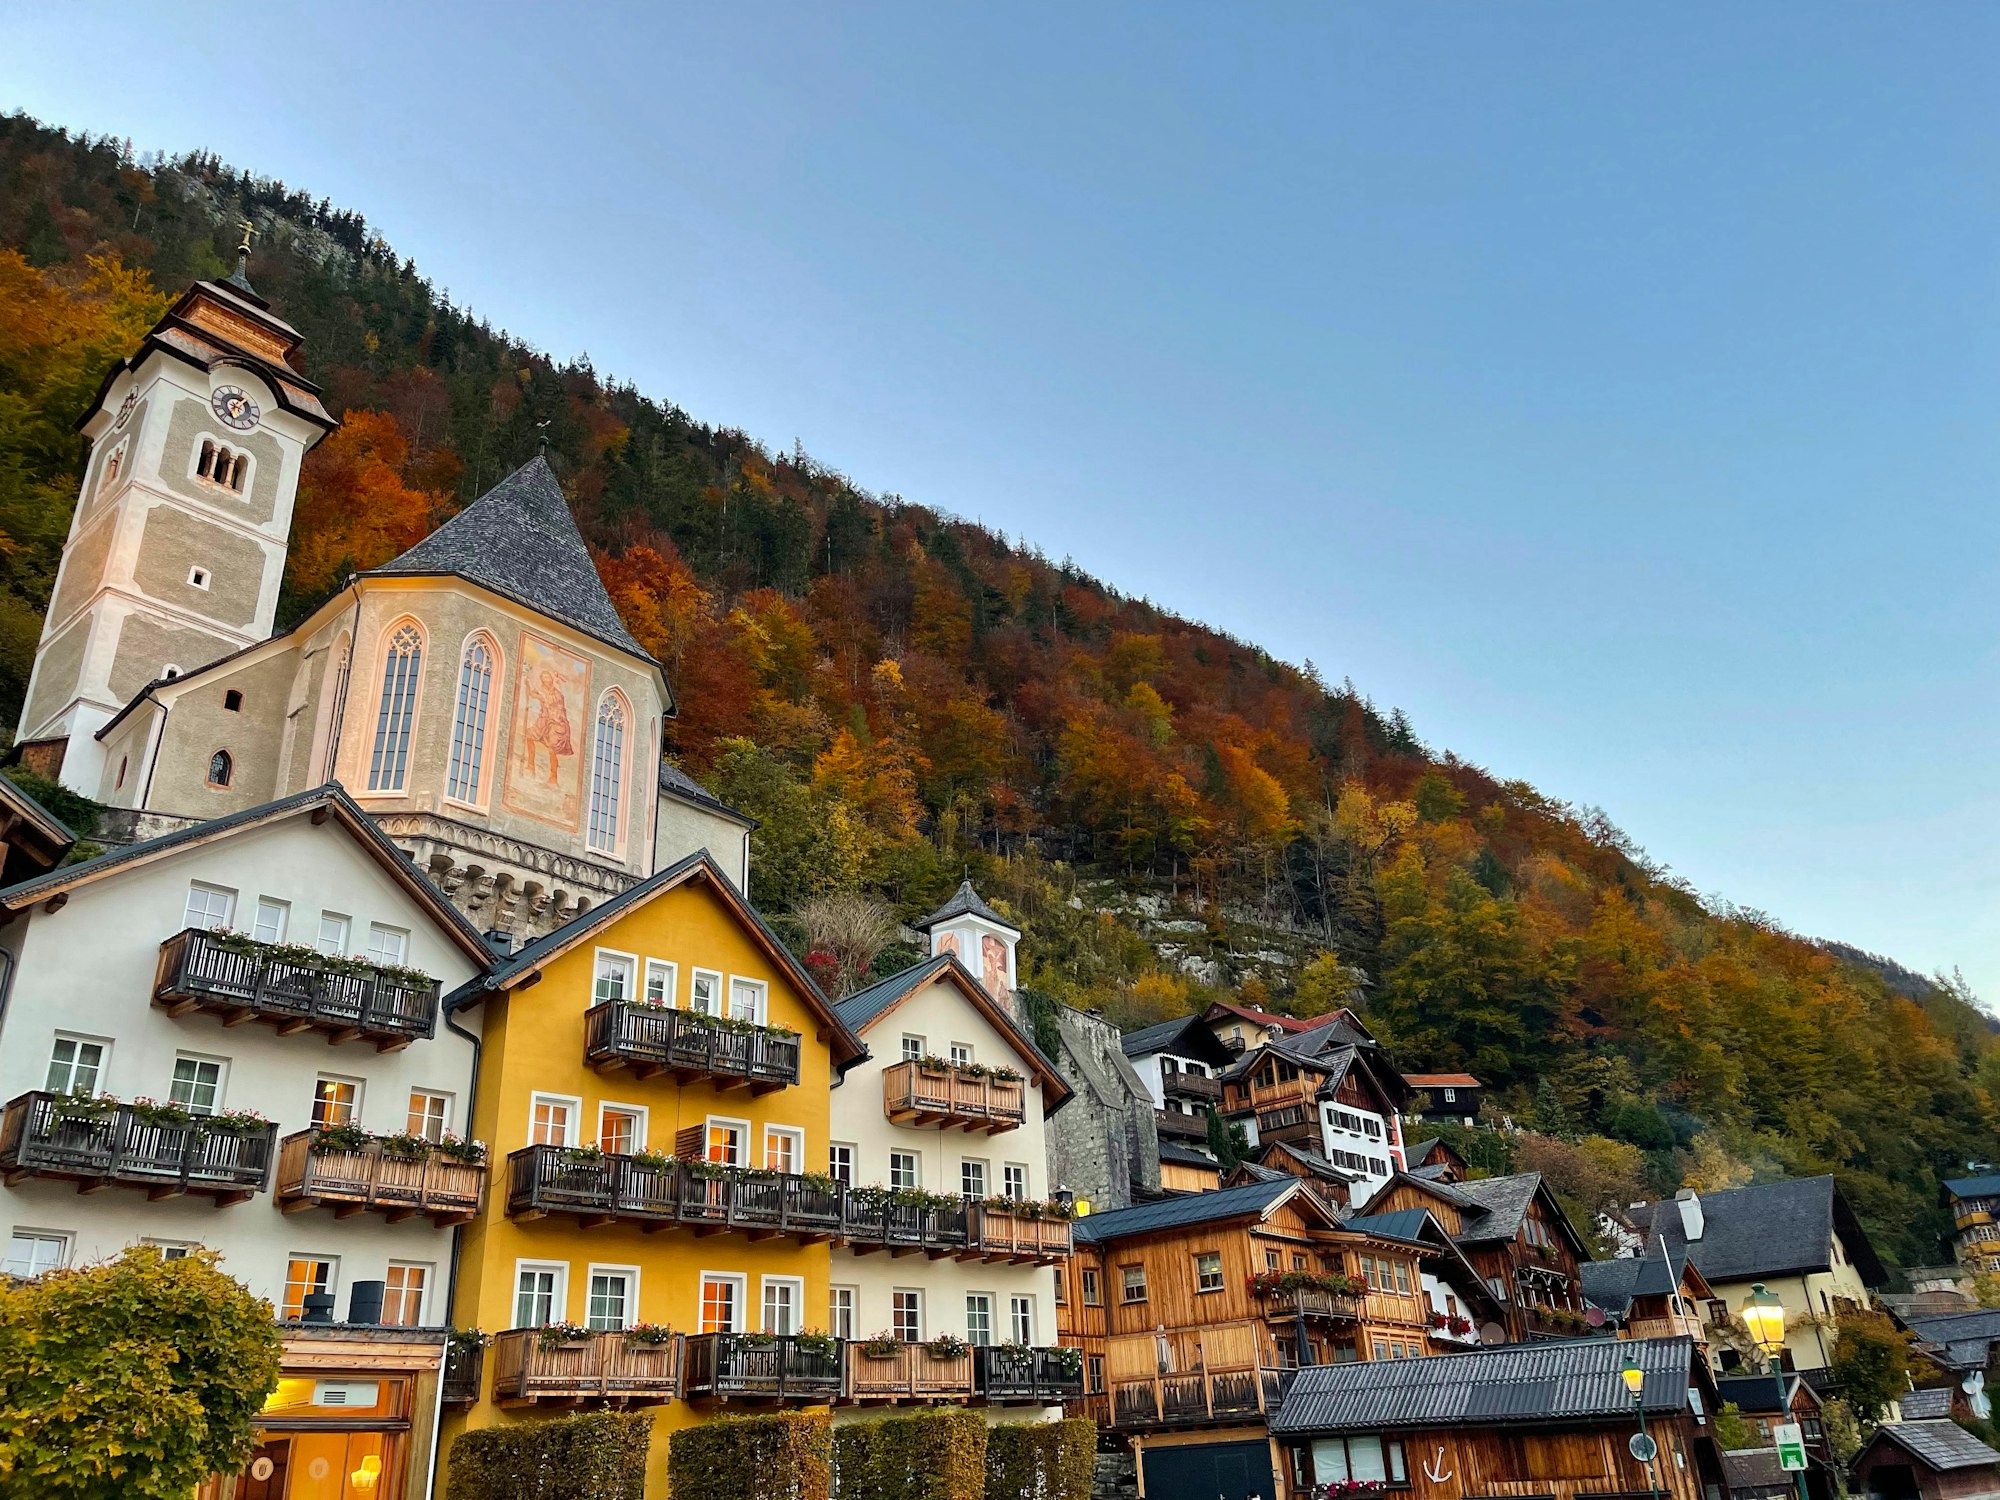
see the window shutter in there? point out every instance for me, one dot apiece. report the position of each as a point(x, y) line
point(691, 1142)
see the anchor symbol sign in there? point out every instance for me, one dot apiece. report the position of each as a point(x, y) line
point(1432, 1469)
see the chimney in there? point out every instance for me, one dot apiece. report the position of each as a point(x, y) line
point(1692, 1222)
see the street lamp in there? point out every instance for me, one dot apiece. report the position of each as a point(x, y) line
point(1764, 1316)
point(1642, 1447)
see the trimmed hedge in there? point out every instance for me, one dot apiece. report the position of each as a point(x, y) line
point(1041, 1460)
point(932, 1455)
point(598, 1456)
point(786, 1456)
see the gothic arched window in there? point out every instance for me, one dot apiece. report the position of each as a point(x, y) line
point(468, 725)
point(220, 768)
point(402, 670)
point(607, 767)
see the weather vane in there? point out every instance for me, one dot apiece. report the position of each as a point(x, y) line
point(542, 427)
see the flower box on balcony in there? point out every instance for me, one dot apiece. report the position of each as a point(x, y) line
point(295, 989)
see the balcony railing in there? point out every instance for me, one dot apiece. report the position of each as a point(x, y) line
point(1193, 1399)
point(598, 1188)
point(909, 1373)
point(952, 1098)
point(1173, 1122)
point(463, 1366)
point(605, 1366)
point(1973, 1218)
point(1042, 1376)
point(762, 1367)
point(1554, 1323)
point(1196, 1086)
point(99, 1144)
point(245, 980)
point(370, 1179)
point(999, 1234)
point(689, 1045)
point(869, 1222)
point(1281, 1304)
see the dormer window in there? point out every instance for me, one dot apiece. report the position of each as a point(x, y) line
point(222, 466)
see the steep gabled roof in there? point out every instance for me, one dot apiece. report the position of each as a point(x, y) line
point(1257, 1017)
point(1187, 1156)
point(965, 900)
point(323, 803)
point(1769, 1229)
point(864, 1008)
point(1511, 1383)
point(1254, 1200)
point(1505, 1203)
point(1985, 1186)
point(520, 540)
point(847, 1048)
point(1185, 1036)
point(1940, 1446)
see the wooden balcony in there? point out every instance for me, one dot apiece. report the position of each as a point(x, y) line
point(1185, 1127)
point(689, 1046)
point(1002, 1235)
point(1039, 1377)
point(241, 980)
point(952, 1100)
point(1973, 1218)
point(1290, 1126)
point(372, 1181)
point(599, 1188)
point(1197, 1088)
point(1281, 1305)
point(1554, 1323)
point(870, 1222)
point(762, 1367)
point(100, 1145)
point(911, 1373)
point(1199, 1398)
point(464, 1365)
point(606, 1367)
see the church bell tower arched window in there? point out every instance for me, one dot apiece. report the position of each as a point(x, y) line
point(607, 772)
point(463, 778)
point(402, 671)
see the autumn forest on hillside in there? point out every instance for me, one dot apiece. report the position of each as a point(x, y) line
point(902, 698)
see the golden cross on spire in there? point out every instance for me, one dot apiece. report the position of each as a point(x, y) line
point(248, 229)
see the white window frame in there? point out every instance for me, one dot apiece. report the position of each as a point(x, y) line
point(345, 922)
point(918, 1176)
point(62, 1239)
point(642, 1122)
point(284, 924)
point(383, 929)
point(913, 1047)
point(631, 1277)
point(796, 1285)
point(429, 1269)
point(713, 976)
point(360, 1093)
point(558, 1294)
point(1021, 1318)
point(449, 1099)
point(916, 1293)
point(172, 1249)
point(221, 1075)
point(760, 998)
point(841, 1168)
point(795, 1136)
point(985, 1176)
point(575, 1117)
point(332, 1278)
point(77, 1039)
point(740, 1126)
point(1008, 1174)
point(599, 958)
point(961, 1054)
point(739, 1304)
point(205, 921)
point(843, 1311)
point(669, 990)
point(981, 1302)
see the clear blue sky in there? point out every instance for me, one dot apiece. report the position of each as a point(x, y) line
point(1615, 388)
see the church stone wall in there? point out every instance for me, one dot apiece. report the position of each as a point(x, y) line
point(83, 568)
point(96, 488)
point(1104, 1144)
point(198, 724)
point(175, 542)
point(192, 421)
point(146, 645)
point(56, 675)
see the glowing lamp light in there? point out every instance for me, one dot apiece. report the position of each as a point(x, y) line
point(1764, 1316)
point(1633, 1376)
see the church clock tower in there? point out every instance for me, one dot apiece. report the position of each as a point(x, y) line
point(177, 546)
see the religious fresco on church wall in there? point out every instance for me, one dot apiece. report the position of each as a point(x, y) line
point(545, 762)
point(993, 964)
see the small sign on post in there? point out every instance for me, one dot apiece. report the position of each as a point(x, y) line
point(1791, 1441)
point(1642, 1447)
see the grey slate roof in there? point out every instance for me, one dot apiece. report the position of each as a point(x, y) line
point(1177, 1213)
point(1942, 1446)
point(965, 899)
point(1961, 1339)
point(1613, 1284)
point(520, 540)
point(863, 1006)
point(1769, 1229)
point(1505, 1203)
point(1186, 1156)
point(1186, 1036)
point(1755, 1469)
point(1571, 1381)
point(1931, 1402)
point(677, 783)
point(1759, 1394)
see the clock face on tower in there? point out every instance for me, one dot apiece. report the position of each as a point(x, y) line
point(235, 407)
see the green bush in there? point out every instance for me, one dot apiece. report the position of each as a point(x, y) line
point(1041, 1460)
point(597, 1456)
point(787, 1456)
point(933, 1455)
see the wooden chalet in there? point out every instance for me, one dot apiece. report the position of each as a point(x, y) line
point(1278, 1091)
point(1284, 1159)
point(1659, 1293)
point(1545, 1421)
point(1193, 1312)
point(1519, 1239)
point(1933, 1460)
point(1187, 1168)
point(1453, 1098)
point(1765, 1400)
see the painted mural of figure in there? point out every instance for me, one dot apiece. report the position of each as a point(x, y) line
point(993, 965)
point(548, 725)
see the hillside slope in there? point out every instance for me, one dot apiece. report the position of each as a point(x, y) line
point(902, 697)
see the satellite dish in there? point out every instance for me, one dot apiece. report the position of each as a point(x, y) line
point(1492, 1333)
point(1594, 1316)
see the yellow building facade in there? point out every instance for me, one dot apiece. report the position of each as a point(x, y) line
point(654, 1090)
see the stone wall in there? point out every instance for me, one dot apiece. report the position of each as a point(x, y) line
point(1103, 1144)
